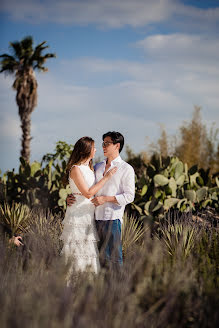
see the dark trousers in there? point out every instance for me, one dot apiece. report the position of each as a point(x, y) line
point(110, 244)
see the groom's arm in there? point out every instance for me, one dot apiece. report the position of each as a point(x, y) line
point(100, 200)
point(128, 194)
point(128, 187)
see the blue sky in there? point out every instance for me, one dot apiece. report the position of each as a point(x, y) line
point(121, 65)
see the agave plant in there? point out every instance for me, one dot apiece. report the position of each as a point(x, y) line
point(16, 217)
point(178, 237)
point(132, 232)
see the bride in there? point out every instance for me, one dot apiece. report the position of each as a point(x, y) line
point(79, 234)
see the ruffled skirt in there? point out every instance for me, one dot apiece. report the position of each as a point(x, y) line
point(80, 238)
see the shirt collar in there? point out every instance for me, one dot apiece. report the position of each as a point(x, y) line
point(116, 160)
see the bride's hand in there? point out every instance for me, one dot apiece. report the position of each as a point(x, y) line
point(110, 173)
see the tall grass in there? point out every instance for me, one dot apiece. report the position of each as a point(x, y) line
point(152, 289)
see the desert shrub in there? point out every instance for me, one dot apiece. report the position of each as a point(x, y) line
point(152, 289)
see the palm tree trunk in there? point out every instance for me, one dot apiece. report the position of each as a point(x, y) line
point(25, 126)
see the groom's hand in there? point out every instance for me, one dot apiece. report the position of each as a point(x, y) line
point(99, 200)
point(70, 200)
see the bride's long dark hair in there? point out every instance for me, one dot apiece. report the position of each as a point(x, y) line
point(80, 154)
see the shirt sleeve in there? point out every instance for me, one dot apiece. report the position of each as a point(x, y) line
point(128, 185)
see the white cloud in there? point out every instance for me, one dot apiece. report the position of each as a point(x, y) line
point(110, 13)
point(168, 54)
point(181, 47)
point(187, 77)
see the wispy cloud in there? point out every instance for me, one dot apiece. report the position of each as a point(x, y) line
point(178, 70)
point(109, 13)
point(179, 47)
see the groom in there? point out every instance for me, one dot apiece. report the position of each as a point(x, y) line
point(111, 200)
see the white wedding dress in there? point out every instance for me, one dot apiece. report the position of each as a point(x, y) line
point(79, 232)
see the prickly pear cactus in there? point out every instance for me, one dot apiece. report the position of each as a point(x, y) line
point(168, 183)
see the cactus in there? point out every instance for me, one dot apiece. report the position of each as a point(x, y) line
point(206, 203)
point(151, 171)
point(178, 170)
point(136, 207)
point(170, 202)
point(193, 170)
point(201, 194)
point(193, 178)
point(190, 195)
point(157, 207)
point(35, 168)
point(160, 180)
point(144, 190)
point(181, 179)
point(181, 202)
point(173, 186)
point(146, 207)
point(170, 184)
point(214, 196)
point(200, 181)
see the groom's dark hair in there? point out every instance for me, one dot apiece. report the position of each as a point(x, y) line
point(116, 138)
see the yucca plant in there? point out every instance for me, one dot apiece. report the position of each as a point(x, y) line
point(16, 217)
point(44, 224)
point(178, 237)
point(42, 238)
point(132, 232)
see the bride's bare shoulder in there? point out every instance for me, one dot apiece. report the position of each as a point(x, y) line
point(75, 170)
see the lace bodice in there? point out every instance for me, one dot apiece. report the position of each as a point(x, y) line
point(88, 175)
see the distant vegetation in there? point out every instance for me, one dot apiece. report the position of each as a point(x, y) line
point(194, 144)
point(164, 180)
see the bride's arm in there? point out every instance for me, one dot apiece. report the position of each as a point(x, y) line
point(78, 178)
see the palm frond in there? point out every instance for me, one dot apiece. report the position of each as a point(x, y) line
point(16, 49)
point(50, 55)
point(27, 43)
point(8, 63)
point(40, 45)
point(7, 56)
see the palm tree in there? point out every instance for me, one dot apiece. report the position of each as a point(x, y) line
point(24, 60)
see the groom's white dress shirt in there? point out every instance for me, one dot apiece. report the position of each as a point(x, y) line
point(121, 185)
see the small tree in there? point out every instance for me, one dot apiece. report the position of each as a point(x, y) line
point(196, 145)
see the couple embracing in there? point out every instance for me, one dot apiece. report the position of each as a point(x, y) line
point(92, 224)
